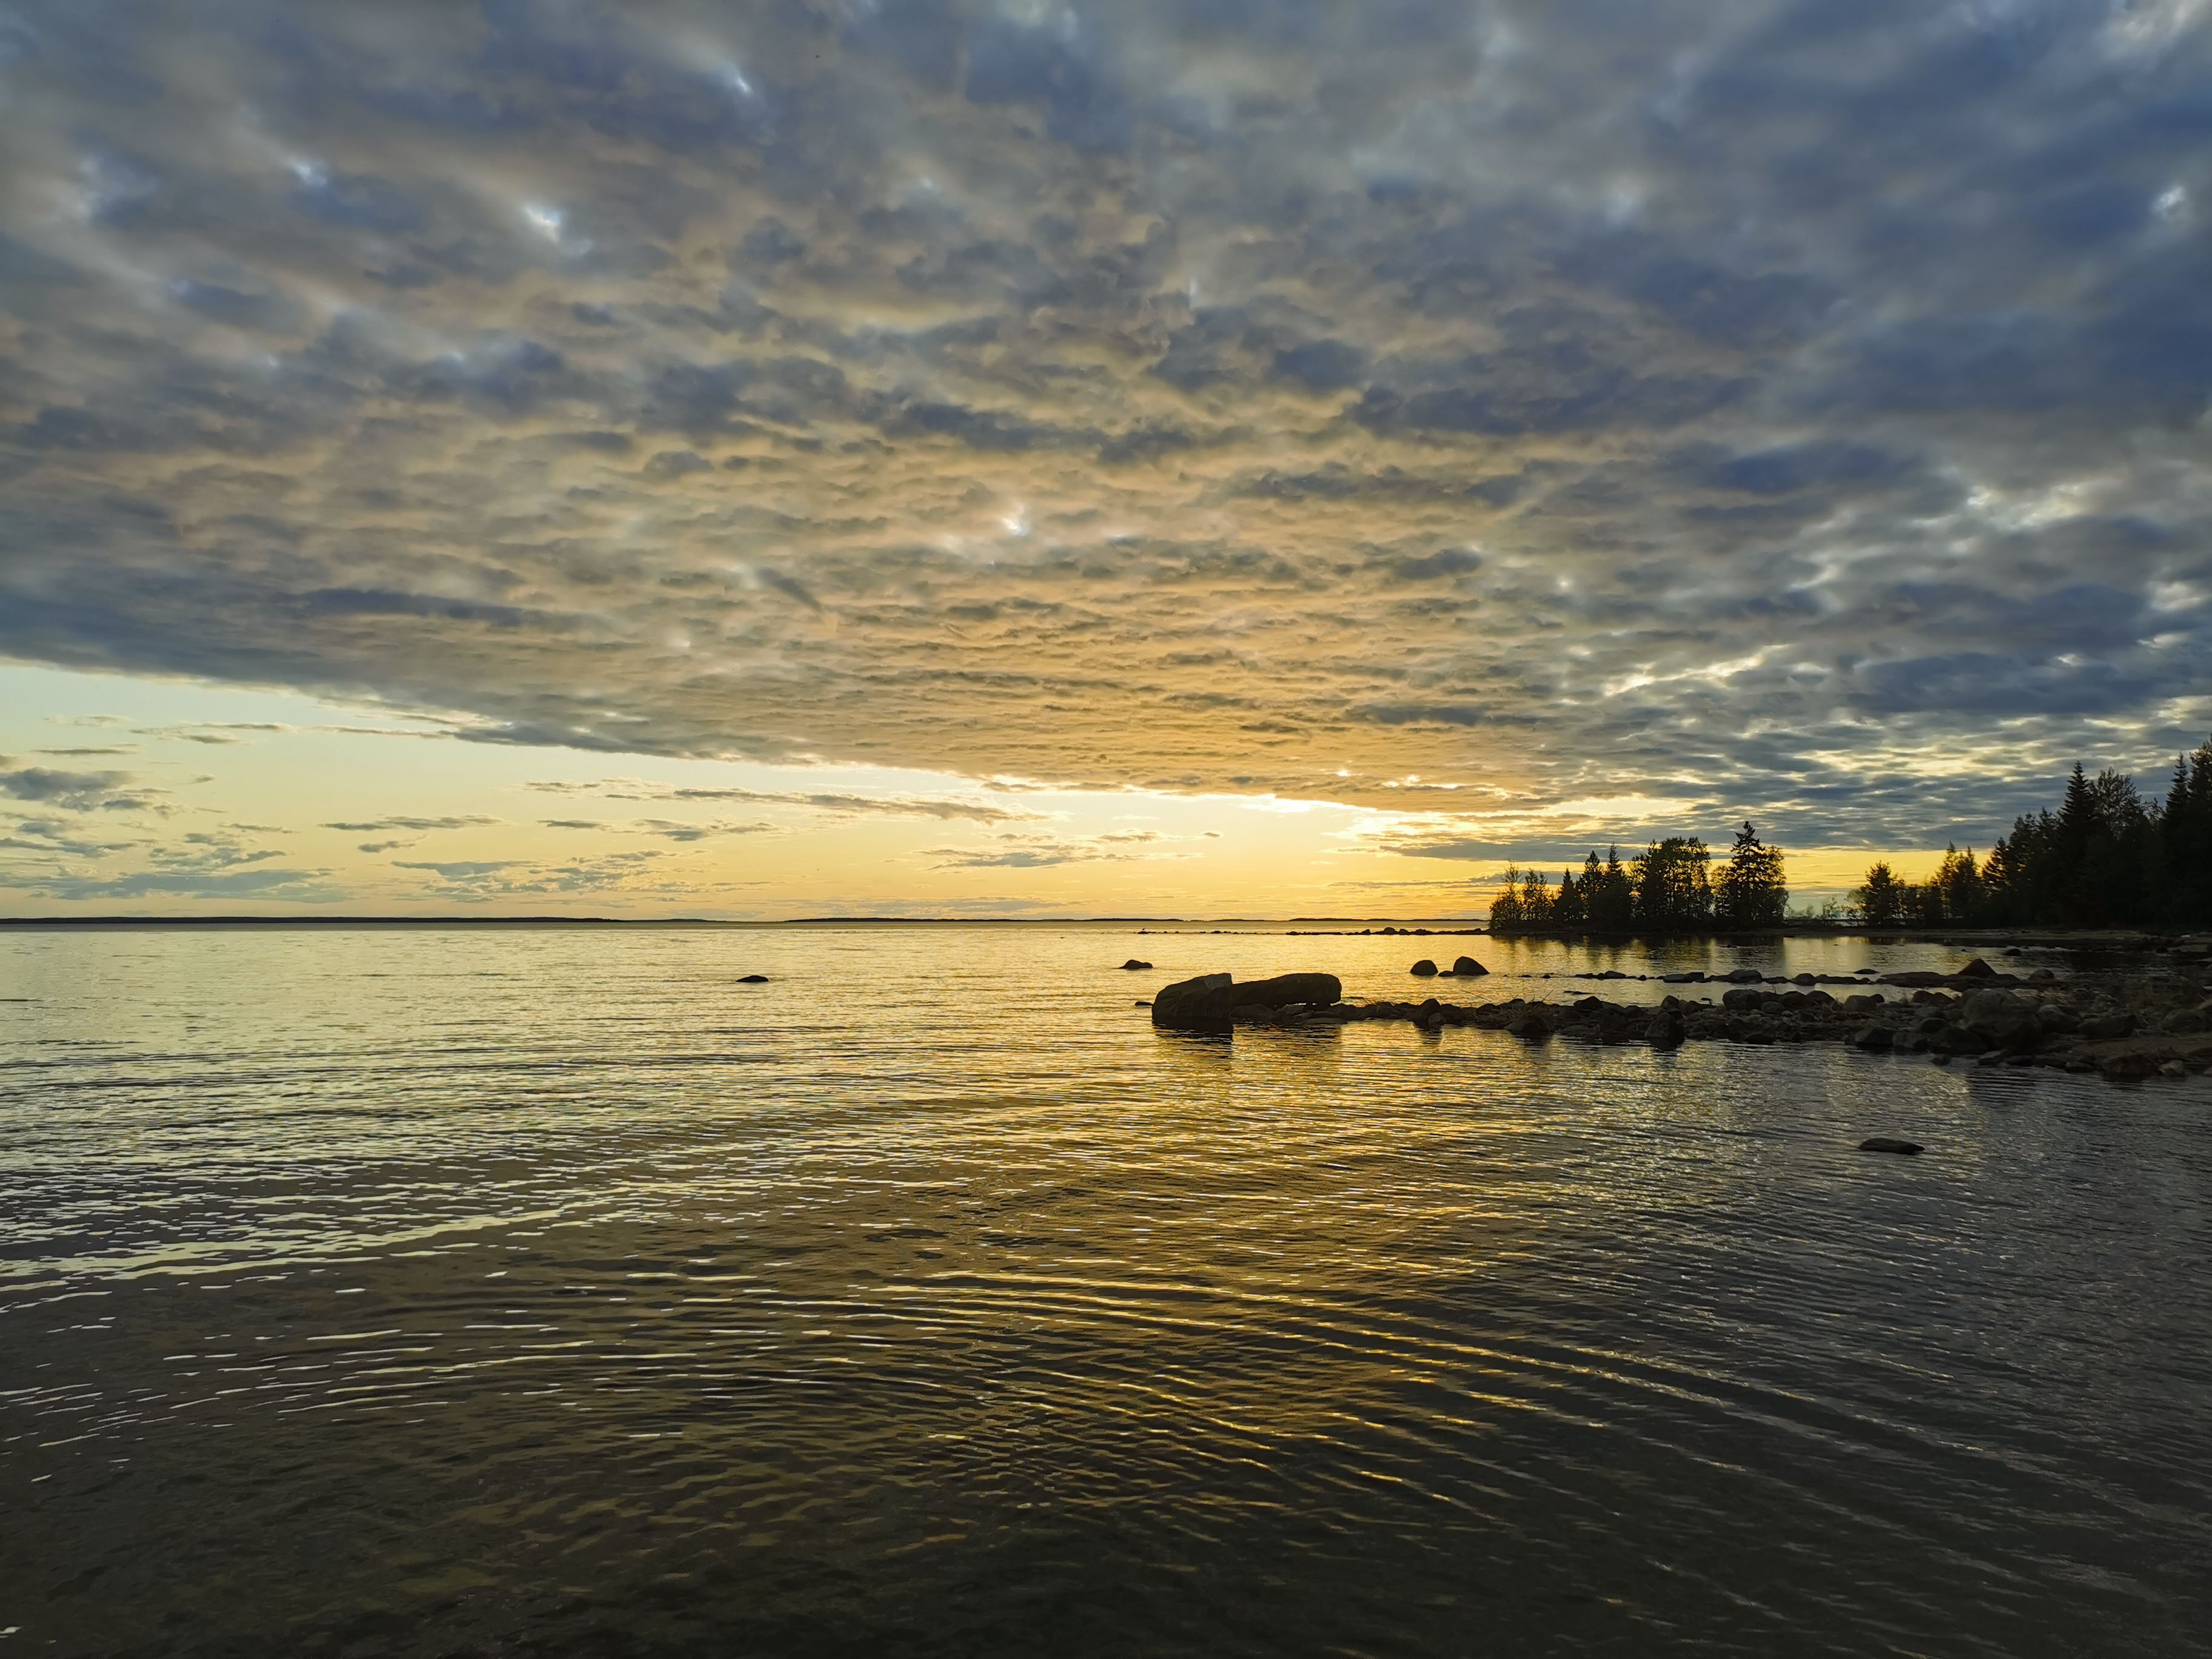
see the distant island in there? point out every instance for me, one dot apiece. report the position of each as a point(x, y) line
point(2105, 857)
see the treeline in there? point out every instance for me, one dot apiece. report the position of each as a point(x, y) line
point(1668, 888)
point(2107, 857)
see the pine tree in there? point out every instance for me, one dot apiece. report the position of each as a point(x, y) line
point(1749, 891)
point(1568, 910)
point(1881, 901)
point(1535, 903)
point(1612, 905)
point(1506, 908)
point(1672, 892)
point(1958, 886)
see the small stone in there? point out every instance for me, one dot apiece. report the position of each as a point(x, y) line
point(1884, 1144)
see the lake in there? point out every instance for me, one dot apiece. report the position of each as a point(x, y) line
point(546, 1292)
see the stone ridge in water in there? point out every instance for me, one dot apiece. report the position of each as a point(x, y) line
point(1214, 1002)
point(2073, 1028)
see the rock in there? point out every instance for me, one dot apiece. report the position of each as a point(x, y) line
point(1987, 1007)
point(2125, 1067)
point(2052, 1018)
point(1939, 1057)
point(1872, 1038)
point(1429, 1016)
point(2104, 1027)
point(1804, 979)
point(1425, 968)
point(1133, 963)
point(1468, 968)
point(2173, 1068)
point(1529, 1024)
point(1916, 977)
point(1742, 998)
point(753, 979)
point(1212, 1002)
point(1743, 976)
point(1665, 1029)
point(1977, 969)
point(1884, 1144)
point(2187, 1023)
point(1682, 979)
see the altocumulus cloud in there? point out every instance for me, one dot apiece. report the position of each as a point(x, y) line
point(1747, 399)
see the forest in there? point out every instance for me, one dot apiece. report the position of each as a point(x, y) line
point(2105, 857)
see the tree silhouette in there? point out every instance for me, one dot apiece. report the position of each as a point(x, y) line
point(1749, 891)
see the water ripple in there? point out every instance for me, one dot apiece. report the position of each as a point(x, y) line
point(405, 1292)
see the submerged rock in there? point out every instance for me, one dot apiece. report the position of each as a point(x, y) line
point(753, 979)
point(1133, 962)
point(1665, 1029)
point(1214, 1002)
point(1884, 1144)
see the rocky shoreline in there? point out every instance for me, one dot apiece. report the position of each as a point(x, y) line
point(2123, 1029)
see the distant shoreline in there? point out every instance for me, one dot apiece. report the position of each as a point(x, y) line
point(34, 923)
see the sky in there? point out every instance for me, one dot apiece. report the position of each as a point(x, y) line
point(1197, 457)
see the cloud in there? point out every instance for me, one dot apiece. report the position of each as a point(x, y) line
point(1213, 398)
point(666, 829)
point(831, 803)
point(373, 825)
point(78, 791)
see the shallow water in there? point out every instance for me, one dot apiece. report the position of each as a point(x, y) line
point(547, 1291)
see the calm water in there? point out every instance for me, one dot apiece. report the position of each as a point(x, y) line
point(548, 1292)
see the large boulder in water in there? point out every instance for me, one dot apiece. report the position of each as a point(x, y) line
point(1425, 968)
point(2001, 1020)
point(1210, 1002)
point(1467, 968)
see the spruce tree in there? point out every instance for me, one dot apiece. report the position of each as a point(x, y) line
point(1749, 891)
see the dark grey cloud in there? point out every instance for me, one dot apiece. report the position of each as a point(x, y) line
point(1210, 395)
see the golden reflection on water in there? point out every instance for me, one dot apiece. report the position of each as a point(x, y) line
point(552, 1291)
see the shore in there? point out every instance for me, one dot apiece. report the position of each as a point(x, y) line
point(2123, 1026)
